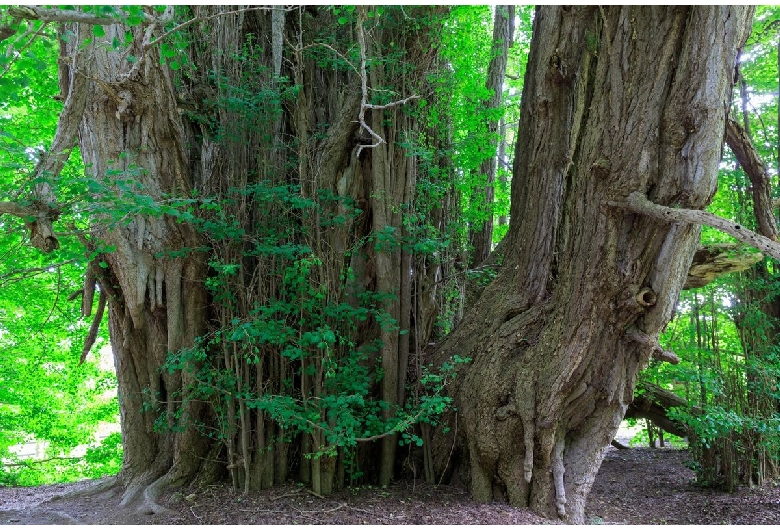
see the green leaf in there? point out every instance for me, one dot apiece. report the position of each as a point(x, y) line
point(167, 51)
point(98, 30)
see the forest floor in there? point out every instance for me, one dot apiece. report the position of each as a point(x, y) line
point(634, 486)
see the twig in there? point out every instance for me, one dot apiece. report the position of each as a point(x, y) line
point(32, 463)
point(452, 449)
point(194, 514)
point(316, 512)
point(362, 510)
point(394, 103)
point(56, 300)
point(5, 278)
point(315, 494)
point(23, 48)
point(297, 493)
point(58, 15)
point(334, 50)
point(204, 19)
point(364, 104)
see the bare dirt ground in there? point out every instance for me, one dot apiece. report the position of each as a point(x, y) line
point(634, 486)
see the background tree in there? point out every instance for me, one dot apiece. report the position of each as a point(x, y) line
point(50, 391)
point(481, 235)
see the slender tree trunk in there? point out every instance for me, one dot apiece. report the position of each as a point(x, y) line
point(585, 288)
point(481, 237)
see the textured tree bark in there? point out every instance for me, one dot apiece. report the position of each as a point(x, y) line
point(141, 133)
point(131, 130)
point(557, 339)
point(738, 139)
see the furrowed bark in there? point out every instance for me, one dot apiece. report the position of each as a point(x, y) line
point(584, 289)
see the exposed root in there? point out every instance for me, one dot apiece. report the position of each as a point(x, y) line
point(618, 445)
point(152, 494)
point(93, 489)
point(142, 495)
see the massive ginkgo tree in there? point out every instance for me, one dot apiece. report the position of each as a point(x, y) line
point(255, 235)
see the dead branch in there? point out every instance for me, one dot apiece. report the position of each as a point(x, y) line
point(17, 275)
point(715, 260)
point(637, 202)
point(94, 328)
point(364, 104)
point(31, 463)
point(653, 402)
point(297, 493)
point(58, 15)
point(13, 208)
point(204, 19)
point(742, 146)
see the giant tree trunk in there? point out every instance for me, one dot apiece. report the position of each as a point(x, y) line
point(223, 135)
point(132, 141)
point(616, 100)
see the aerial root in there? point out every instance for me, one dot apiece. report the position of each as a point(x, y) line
point(528, 441)
point(94, 328)
point(558, 472)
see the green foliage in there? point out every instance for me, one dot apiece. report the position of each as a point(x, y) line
point(331, 388)
point(461, 96)
point(460, 99)
point(725, 333)
point(45, 394)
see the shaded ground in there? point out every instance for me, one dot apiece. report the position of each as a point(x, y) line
point(634, 486)
point(653, 486)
